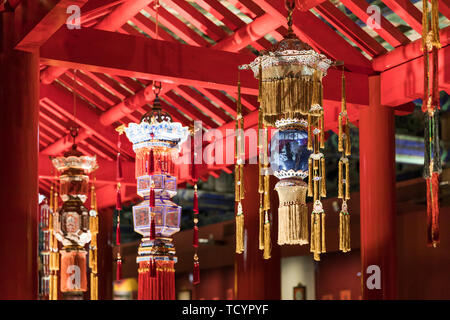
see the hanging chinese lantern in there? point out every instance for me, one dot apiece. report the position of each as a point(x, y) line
point(156, 141)
point(430, 106)
point(74, 226)
point(290, 95)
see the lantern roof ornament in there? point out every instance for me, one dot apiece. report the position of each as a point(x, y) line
point(287, 54)
point(156, 129)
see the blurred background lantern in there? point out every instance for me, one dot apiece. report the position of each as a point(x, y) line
point(156, 141)
point(74, 226)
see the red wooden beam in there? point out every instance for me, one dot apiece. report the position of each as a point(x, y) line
point(406, 10)
point(249, 33)
point(444, 7)
point(220, 99)
point(146, 59)
point(231, 44)
point(188, 109)
point(197, 19)
point(189, 65)
point(350, 29)
point(177, 26)
point(320, 36)
point(407, 52)
point(111, 23)
point(404, 83)
point(203, 105)
point(37, 20)
point(86, 118)
point(130, 104)
point(387, 30)
point(305, 5)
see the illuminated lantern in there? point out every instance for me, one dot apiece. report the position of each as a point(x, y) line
point(290, 95)
point(74, 226)
point(156, 141)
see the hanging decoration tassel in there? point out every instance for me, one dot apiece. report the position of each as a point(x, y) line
point(239, 172)
point(93, 227)
point(317, 188)
point(292, 212)
point(119, 178)
point(261, 176)
point(317, 230)
point(266, 197)
point(267, 241)
point(196, 269)
point(344, 228)
point(54, 254)
point(344, 172)
point(430, 106)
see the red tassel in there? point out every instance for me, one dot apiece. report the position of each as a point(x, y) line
point(118, 232)
point(429, 213)
point(195, 240)
point(151, 165)
point(195, 200)
point(152, 229)
point(119, 167)
point(152, 268)
point(118, 200)
point(152, 198)
point(196, 273)
point(119, 269)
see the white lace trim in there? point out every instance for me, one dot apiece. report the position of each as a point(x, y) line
point(283, 174)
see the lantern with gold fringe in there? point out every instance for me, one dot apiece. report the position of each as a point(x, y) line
point(74, 227)
point(156, 141)
point(430, 106)
point(290, 96)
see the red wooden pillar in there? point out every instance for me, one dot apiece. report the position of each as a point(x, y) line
point(105, 254)
point(377, 189)
point(256, 278)
point(19, 109)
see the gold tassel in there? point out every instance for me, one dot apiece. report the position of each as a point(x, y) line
point(94, 286)
point(344, 229)
point(323, 189)
point(239, 230)
point(310, 177)
point(425, 25)
point(267, 241)
point(261, 223)
point(260, 81)
point(241, 182)
point(348, 147)
point(315, 181)
point(340, 136)
point(347, 181)
point(260, 153)
point(317, 230)
point(323, 232)
point(435, 41)
point(322, 132)
point(340, 180)
point(309, 146)
point(237, 194)
point(292, 214)
point(266, 190)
